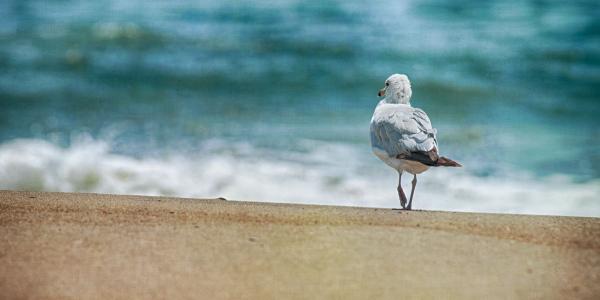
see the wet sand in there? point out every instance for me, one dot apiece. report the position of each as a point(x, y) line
point(89, 246)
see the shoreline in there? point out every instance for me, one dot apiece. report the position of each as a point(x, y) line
point(95, 246)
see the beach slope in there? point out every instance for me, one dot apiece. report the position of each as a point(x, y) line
point(90, 246)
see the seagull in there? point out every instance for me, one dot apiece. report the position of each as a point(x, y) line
point(402, 136)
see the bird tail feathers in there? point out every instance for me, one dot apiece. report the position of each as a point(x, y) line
point(446, 162)
point(429, 158)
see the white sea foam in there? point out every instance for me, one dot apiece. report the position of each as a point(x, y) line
point(352, 177)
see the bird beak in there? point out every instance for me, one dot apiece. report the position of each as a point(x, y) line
point(381, 92)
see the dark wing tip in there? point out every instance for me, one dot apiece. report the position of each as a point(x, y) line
point(446, 162)
point(429, 158)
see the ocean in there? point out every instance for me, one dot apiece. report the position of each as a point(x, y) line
point(271, 101)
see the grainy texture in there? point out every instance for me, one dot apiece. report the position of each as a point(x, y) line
point(88, 246)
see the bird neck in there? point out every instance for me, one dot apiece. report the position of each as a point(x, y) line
point(397, 100)
point(398, 94)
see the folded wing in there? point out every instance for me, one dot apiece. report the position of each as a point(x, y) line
point(403, 130)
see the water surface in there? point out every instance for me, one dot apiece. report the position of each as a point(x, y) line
point(271, 101)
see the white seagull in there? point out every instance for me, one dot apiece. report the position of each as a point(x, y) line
point(402, 136)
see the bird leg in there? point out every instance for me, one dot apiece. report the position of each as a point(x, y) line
point(401, 194)
point(412, 192)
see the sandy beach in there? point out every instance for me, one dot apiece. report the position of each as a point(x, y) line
point(90, 246)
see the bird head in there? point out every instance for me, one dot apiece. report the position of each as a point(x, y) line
point(397, 89)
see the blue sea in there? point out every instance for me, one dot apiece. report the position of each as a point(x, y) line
point(271, 100)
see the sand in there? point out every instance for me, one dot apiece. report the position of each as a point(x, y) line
point(89, 246)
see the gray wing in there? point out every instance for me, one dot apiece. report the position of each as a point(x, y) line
point(402, 131)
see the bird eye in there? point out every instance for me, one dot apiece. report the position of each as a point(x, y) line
point(387, 84)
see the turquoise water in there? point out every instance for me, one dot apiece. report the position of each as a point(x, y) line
point(272, 100)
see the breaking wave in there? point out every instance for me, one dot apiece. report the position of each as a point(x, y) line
point(326, 173)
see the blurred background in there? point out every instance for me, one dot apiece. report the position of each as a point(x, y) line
point(271, 101)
